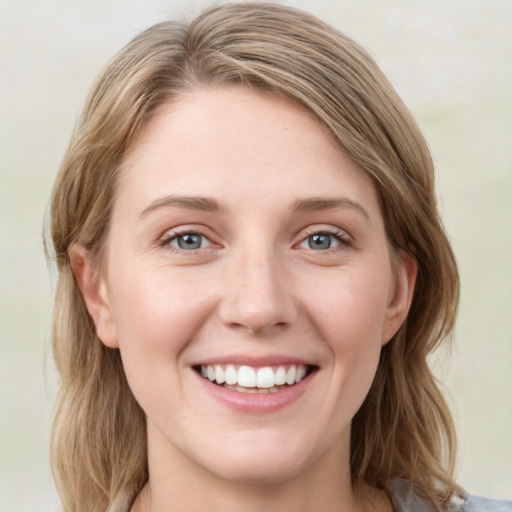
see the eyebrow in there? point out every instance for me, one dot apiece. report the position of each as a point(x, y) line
point(314, 204)
point(208, 204)
point(205, 204)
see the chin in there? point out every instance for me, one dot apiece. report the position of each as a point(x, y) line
point(258, 462)
point(250, 472)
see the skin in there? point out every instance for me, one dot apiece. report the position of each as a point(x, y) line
point(254, 289)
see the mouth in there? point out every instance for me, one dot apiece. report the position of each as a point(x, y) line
point(260, 380)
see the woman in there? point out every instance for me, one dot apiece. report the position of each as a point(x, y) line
point(252, 272)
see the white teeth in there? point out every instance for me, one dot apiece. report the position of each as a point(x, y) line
point(246, 377)
point(290, 375)
point(254, 380)
point(301, 373)
point(265, 378)
point(219, 374)
point(280, 376)
point(231, 375)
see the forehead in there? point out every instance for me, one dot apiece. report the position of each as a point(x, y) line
point(238, 145)
point(228, 117)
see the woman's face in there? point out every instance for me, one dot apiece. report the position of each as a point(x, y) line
point(245, 247)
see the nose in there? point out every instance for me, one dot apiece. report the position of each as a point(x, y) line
point(258, 295)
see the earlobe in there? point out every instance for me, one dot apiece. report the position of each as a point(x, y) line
point(93, 287)
point(402, 294)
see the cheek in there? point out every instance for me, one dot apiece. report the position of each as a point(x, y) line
point(350, 308)
point(156, 314)
point(153, 302)
point(350, 315)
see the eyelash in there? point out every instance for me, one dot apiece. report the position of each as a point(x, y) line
point(169, 237)
point(340, 236)
point(343, 240)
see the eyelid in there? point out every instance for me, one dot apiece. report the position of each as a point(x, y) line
point(173, 233)
point(205, 241)
point(332, 245)
point(342, 236)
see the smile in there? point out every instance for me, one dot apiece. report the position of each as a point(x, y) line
point(248, 379)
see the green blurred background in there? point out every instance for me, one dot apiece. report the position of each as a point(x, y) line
point(450, 60)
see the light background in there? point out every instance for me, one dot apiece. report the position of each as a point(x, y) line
point(450, 60)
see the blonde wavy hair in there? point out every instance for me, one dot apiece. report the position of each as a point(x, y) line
point(404, 429)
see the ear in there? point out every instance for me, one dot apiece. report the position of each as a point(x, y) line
point(93, 287)
point(406, 270)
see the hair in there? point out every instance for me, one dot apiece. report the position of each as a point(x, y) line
point(404, 429)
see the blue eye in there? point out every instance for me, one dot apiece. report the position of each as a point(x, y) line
point(189, 241)
point(321, 241)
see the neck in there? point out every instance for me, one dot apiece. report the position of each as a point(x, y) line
point(177, 483)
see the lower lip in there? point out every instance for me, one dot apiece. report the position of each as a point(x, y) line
point(256, 403)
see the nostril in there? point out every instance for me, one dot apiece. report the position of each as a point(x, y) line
point(258, 301)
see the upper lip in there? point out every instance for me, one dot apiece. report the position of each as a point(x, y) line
point(255, 361)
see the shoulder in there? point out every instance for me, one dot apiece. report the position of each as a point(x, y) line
point(479, 504)
point(406, 500)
